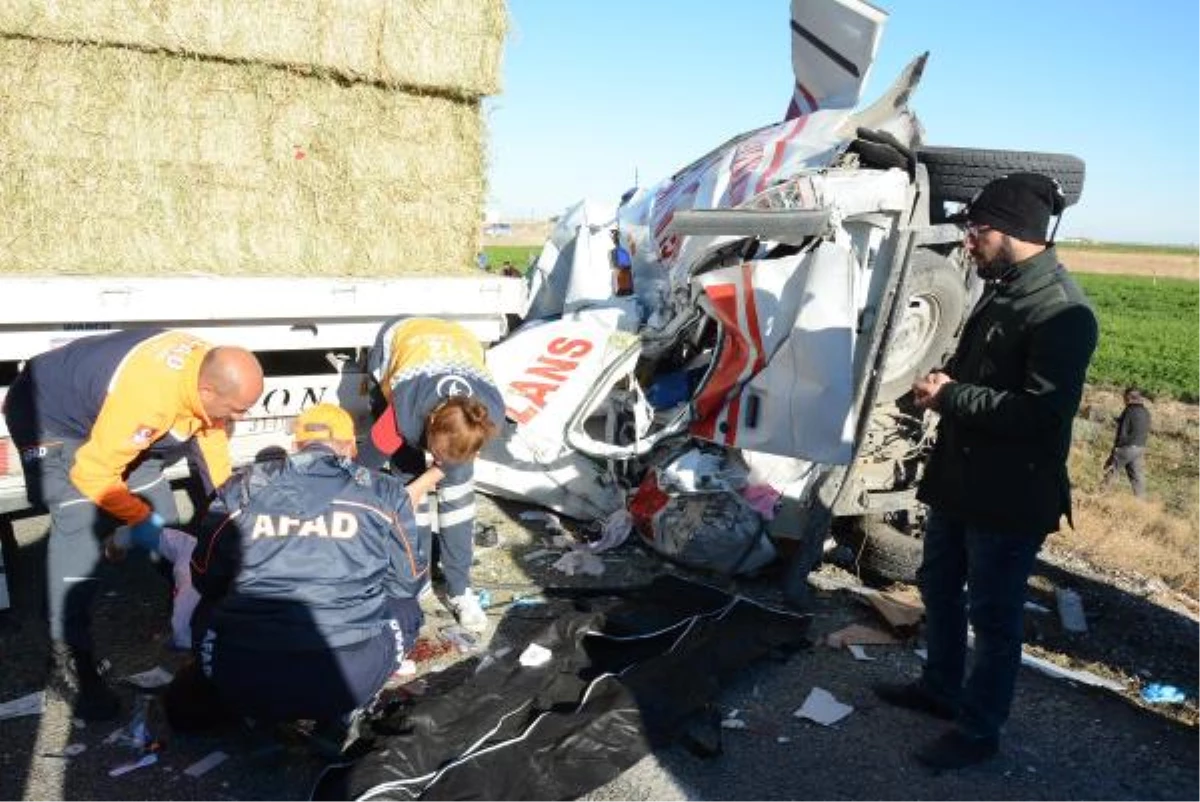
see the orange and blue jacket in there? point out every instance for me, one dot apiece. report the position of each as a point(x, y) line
point(124, 394)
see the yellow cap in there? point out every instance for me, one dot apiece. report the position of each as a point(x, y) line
point(324, 422)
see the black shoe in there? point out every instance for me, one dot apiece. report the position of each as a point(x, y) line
point(914, 696)
point(956, 750)
point(75, 679)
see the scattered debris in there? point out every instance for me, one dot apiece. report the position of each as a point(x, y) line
point(549, 520)
point(1058, 672)
point(1157, 693)
point(463, 640)
point(32, 704)
point(858, 652)
point(733, 724)
point(900, 607)
point(1034, 607)
point(140, 763)
point(823, 708)
point(859, 634)
point(1070, 610)
point(206, 764)
point(156, 677)
point(613, 532)
point(922, 653)
point(534, 656)
point(579, 562)
point(537, 554)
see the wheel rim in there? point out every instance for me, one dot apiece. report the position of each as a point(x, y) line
point(913, 336)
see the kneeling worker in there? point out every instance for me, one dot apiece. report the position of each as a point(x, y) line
point(308, 567)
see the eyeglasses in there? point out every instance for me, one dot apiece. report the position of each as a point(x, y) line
point(975, 232)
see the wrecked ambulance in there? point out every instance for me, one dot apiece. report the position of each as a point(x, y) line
point(752, 324)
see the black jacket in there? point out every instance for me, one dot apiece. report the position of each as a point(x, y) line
point(1133, 427)
point(300, 553)
point(1001, 455)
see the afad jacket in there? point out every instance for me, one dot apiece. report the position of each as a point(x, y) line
point(1000, 460)
point(125, 394)
point(303, 552)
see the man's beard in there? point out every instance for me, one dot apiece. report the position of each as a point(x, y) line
point(994, 269)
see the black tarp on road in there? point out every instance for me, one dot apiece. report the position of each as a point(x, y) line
point(617, 685)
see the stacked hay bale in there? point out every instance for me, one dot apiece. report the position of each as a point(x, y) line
point(264, 138)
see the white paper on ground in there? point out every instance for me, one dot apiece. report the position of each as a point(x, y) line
point(146, 760)
point(859, 652)
point(206, 764)
point(821, 707)
point(32, 704)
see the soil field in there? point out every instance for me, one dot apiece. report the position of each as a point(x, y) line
point(1159, 265)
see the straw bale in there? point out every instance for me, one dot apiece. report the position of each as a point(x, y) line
point(121, 162)
point(450, 46)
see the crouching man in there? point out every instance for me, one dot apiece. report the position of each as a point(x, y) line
point(308, 569)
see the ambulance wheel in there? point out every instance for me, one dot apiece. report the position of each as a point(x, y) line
point(924, 332)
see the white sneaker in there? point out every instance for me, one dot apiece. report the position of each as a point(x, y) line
point(468, 612)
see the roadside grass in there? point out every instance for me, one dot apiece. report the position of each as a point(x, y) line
point(520, 255)
point(1148, 334)
point(1158, 537)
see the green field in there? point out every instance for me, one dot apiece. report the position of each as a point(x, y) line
point(1148, 334)
point(519, 255)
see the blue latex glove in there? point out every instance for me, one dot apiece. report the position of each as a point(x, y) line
point(148, 533)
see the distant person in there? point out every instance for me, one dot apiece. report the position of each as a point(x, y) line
point(996, 482)
point(308, 568)
point(95, 422)
point(481, 261)
point(1129, 449)
point(438, 406)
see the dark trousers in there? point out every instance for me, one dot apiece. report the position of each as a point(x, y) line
point(317, 684)
point(976, 575)
point(75, 569)
point(1130, 460)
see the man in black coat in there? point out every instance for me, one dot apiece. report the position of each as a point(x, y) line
point(996, 483)
point(1129, 449)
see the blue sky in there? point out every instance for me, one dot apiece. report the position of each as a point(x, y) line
point(596, 93)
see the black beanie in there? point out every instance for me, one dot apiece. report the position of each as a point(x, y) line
point(1019, 205)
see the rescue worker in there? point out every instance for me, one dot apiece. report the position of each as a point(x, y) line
point(308, 571)
point(95, 422)
point(439, 399)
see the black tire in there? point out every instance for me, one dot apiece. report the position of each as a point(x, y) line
point(882, 551)
point(957, 174)
point(936, 302)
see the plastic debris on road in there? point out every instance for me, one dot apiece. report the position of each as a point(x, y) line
point(858, 652)
point(1157, 693)
point(823, 708)
point(206, 764)
point(32, 704)
point(140, 763)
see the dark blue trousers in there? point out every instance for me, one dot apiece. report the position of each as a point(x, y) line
point(969, 574)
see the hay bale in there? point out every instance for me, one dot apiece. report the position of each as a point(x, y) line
point(451, 46)
point(123, 162)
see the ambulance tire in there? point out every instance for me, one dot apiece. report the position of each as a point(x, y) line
point(957, 174)
point(881, 551)
point(924, 333)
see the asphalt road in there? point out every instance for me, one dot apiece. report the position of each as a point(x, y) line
point(1064, 741)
